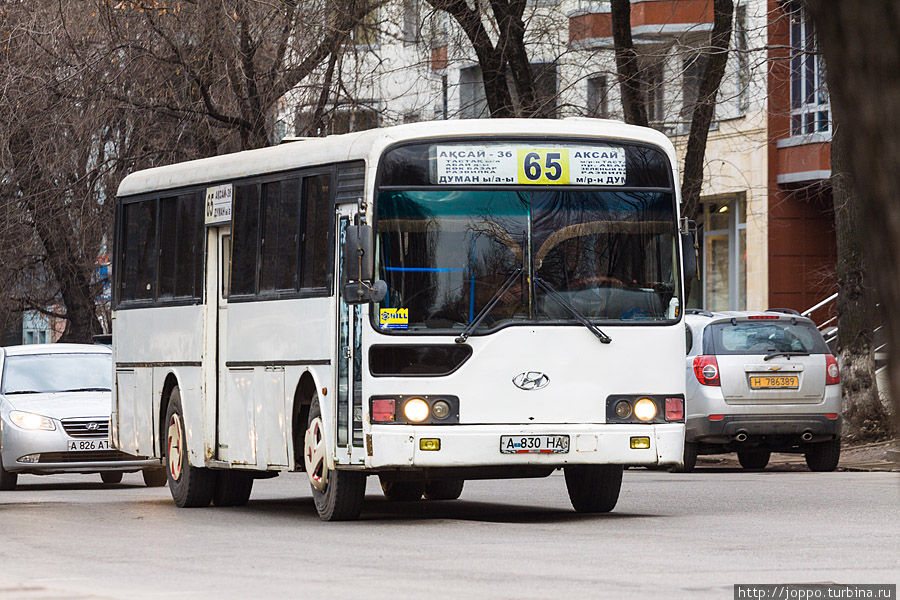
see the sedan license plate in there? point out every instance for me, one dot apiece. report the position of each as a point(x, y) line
point(774, 382)
point(534, 444)
point(87, 445)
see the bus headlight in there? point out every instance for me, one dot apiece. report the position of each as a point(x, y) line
point(645, 409)
point(440, 409)
point(416, 410)
point(623, 409)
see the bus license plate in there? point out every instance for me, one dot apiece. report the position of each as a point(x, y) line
point(88, 445)
point(534, 444)
point(774, 382)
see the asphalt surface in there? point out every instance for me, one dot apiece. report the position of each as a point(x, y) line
point(671, 536)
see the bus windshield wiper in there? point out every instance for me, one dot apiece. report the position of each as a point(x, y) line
point(489, 306)
point(87, 389)
point(788, 353)
point(23, 392)
point(551, 291)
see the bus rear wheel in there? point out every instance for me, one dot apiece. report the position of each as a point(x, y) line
point(338, 494)
point(403, 491)
point(190, 486)
point(593, 488)
point(445, 489)
point(232, 488)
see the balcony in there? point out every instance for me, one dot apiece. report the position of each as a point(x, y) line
point(590, 25)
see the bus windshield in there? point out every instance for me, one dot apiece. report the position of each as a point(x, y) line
point(445, 253)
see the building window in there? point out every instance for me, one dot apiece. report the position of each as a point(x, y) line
point(810, 107)
point(412, 22)
point(596, 97)
point(743, 59)
point(472, 101)
point(652, 88)
point(725, 254)
point(366, 31)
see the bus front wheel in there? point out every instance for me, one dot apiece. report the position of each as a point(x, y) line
point(190, 486)
point(593, 488)
point(338, 494)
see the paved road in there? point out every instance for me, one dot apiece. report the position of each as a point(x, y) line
point(687, 536)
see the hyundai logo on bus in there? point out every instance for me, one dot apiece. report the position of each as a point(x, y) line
point(531, 380)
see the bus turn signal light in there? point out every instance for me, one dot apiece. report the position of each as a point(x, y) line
point(430, 444)
point(640, 443)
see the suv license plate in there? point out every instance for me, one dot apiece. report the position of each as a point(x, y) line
point(534, 444)
point(87, 445)
point(774, 382)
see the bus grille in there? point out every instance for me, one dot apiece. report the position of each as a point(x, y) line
point(87, 428)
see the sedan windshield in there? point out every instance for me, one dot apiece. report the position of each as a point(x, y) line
point(445, 253)
point(46, 373)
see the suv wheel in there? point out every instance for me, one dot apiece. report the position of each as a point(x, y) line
point(823, 456)
point(754, 460)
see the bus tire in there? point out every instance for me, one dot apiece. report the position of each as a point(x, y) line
point(403, 491)
point(823, 456)
point(754, 460)
point(111, 477)
point(8, 480)
point(338, 494)
point(689, 460)
point(445, 489)
point(154, 477)
point(232, 488)
point(191, 486)
point(593, 488)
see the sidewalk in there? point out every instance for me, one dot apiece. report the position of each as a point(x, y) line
point(878, 456)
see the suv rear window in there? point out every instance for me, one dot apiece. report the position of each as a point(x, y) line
point(763, 337)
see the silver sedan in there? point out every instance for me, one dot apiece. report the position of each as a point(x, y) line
point(54, 415)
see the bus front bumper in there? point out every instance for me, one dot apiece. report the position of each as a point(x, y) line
point(479, 445)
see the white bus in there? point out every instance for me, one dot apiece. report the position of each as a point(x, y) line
point(428, 303)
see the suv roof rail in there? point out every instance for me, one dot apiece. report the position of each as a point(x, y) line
point(787, 311)
point(698, 311)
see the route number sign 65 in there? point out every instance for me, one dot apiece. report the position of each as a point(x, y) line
point(543, 166)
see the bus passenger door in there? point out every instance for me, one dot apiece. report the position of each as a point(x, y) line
point(347, 401)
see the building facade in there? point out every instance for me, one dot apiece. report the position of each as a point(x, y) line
point(765, 229)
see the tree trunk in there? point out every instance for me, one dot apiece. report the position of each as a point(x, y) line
point(863, 412)
point(862, 51)
point(628, 69)
point(701, 117)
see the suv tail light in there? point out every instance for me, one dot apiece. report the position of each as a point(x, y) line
point(832, 371)
point(706, 368)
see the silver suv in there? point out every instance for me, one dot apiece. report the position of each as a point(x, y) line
point(759, 382)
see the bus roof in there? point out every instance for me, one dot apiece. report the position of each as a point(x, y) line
point(368, 145)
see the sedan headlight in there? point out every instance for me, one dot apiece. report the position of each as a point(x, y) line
point(31, 421)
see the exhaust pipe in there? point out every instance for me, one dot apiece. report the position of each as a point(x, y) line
point(806, 436)
point(741, 436)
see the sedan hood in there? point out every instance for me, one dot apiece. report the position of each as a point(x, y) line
point(63, 405)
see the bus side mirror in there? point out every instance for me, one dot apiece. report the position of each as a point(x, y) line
point(359, 267)
point(689, 256)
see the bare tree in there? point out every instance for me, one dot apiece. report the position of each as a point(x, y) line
point(862, 409)
point(862, 52)
point(496, 31)
point(713, 56)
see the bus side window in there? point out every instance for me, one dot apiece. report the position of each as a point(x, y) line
point(245, 242)
point(139, 244)
point(226, 264)
point(316, 267)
